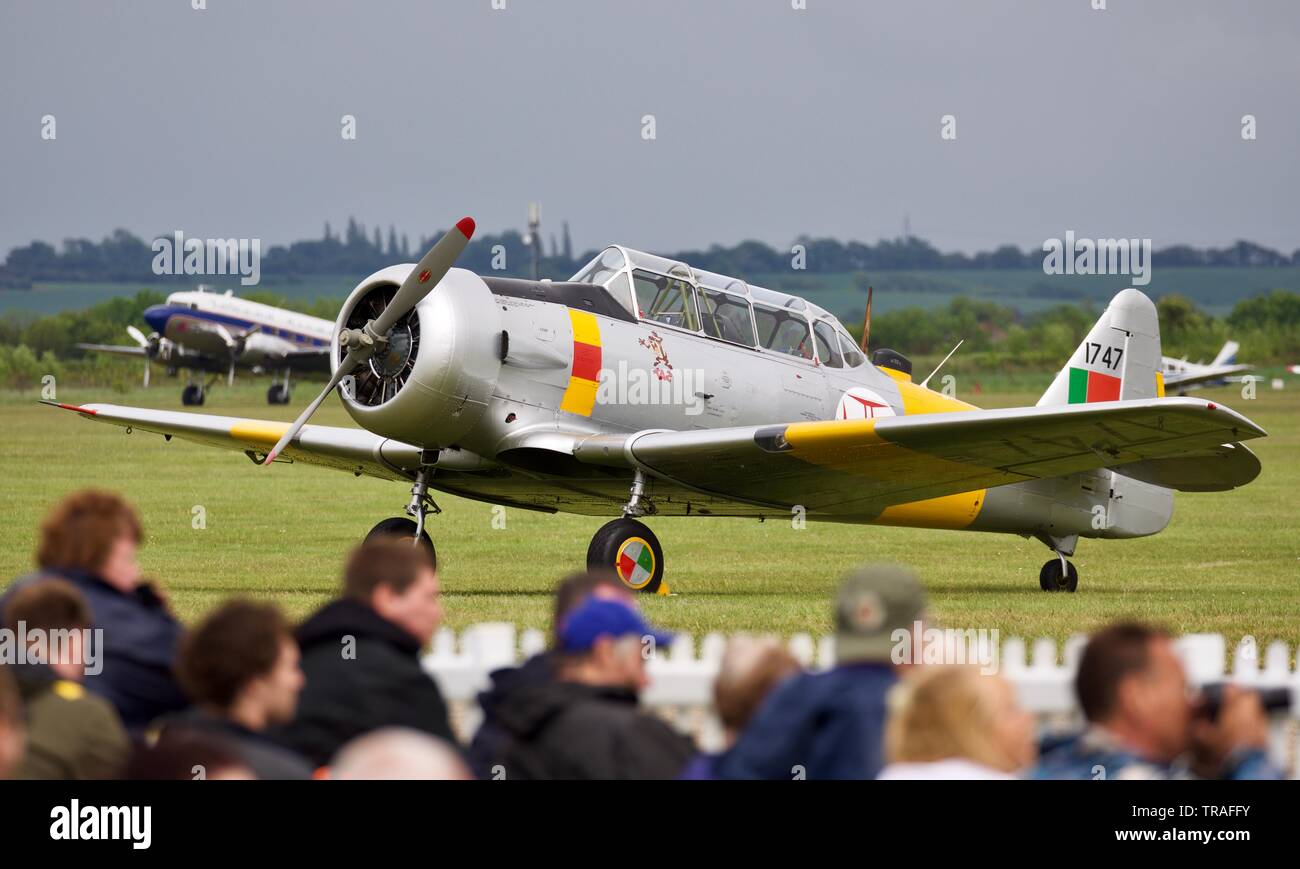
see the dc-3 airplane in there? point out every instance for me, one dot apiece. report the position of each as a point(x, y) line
point(752, 403)
point(1182, 375)
point(217, 333)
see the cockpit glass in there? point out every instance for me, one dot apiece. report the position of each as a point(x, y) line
point(726, 316)
point(602, 268)
point(666, 300)
point(852, 356)
point(828, 345)
point(783, 331)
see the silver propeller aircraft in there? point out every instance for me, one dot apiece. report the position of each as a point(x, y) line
point(643, 387)
point(217, 333)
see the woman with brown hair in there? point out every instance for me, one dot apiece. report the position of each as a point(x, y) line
point(956, 723)
point(91, 539)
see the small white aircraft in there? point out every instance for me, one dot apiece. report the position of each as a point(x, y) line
point(1181, 375)
point(644, 387)
point(217, 333)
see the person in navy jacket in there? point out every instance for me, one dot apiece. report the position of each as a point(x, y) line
point(91, 539)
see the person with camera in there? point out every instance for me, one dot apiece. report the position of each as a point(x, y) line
point(1142, 723)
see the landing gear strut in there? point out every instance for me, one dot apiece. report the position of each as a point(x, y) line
point(421, 505)
point(1059, 574)
point(629, 547)
point(278, 393)
point(193, 394)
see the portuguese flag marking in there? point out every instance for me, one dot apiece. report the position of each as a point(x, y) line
point(1089, 386)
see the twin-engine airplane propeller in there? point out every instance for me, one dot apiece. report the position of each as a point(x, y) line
point(644, 387)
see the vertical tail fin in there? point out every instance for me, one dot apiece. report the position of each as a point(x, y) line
point(1119, 358)
point(1228, 355)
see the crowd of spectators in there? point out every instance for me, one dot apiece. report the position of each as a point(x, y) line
point(110, 685)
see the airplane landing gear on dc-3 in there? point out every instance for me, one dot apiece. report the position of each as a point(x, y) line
point(1059, 574)
point(278, 393)
point(421, 505)
point(629, 547)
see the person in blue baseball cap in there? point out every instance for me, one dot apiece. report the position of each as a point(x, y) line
point(586, 723)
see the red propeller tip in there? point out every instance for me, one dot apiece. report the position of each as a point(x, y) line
point(466, 226)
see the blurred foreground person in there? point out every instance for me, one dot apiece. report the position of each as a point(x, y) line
point(186, 755)
point(831, 725)
point(91, 539)
point(71, 733)
point(12, 734)
point(750, 668)
point(399, 754)
point(1143, 725)
point(956, 723)
point(585, 724)
point(240, 667)
point(490, 737)
point(361, 654)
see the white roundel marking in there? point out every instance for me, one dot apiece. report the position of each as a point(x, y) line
point(862, 403)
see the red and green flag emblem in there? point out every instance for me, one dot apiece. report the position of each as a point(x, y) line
point(636, 562)
point(1089, 386)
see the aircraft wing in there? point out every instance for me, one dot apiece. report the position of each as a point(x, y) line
point(855, 466)
point(316, 360)
point(345, 449)
point(135, 351)
point(1209, 373)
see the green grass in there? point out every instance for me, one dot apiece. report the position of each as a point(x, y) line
point(1229, 563)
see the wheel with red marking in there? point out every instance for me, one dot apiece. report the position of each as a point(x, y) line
point(632, 551)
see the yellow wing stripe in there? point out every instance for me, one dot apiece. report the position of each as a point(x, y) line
point(844, 446)
point(258, 431)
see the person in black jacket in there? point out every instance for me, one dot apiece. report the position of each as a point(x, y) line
point(586, 724)
point(491, 736)
point(91, 540)
point(240, 666)
point(361, 654)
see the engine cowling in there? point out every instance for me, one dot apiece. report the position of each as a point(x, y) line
point(432, 382)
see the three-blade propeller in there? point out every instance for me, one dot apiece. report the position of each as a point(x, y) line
point(138, 337)
point(363, 343)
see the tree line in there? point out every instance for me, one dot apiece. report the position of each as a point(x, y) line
point(124, 257)
point(997, 338)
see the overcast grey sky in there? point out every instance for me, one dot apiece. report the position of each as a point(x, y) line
point(770, 122)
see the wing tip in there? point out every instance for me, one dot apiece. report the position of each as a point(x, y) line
point(87, 411)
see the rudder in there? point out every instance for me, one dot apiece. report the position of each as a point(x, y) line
point(1119, 358)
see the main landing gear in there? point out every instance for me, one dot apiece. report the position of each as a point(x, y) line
point(1059, 574)
point(193, 394)
point(412, 529)
point(278, 393)
point(629, 547)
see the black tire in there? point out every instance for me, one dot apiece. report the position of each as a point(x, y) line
point(630, 538)
point(404, 528)
point(192, 395)
point(1050, 578)
point(277, 394)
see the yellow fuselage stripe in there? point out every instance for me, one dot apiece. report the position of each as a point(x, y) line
point(846, 444)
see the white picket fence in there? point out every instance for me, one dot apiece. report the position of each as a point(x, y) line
point(681, 687)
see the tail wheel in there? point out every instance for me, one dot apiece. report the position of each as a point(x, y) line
point(632, 551)
point(192, 394)
point(404, 528)
point(1050, 578)
point(277, 394)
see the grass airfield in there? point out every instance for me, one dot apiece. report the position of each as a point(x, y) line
point(1229, 562)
